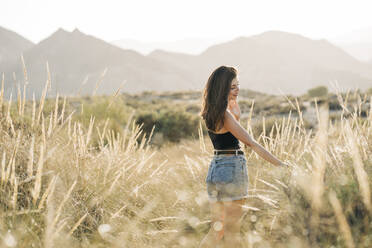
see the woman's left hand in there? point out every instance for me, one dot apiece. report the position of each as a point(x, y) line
point(233, 106)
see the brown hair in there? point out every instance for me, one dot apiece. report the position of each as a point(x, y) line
point(215, 96)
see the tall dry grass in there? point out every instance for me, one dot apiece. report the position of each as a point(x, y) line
point(59, 188)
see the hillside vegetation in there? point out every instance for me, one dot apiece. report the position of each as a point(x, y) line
point(89, 172)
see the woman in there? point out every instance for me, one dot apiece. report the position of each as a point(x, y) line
point(227, 179)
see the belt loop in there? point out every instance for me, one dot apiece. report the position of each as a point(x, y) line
point(236, 152)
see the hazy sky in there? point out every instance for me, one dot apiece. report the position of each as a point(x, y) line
point(169, 20)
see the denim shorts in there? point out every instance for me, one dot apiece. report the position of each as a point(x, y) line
point(227, 178)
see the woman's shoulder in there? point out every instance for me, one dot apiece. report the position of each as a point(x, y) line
point(228, 115)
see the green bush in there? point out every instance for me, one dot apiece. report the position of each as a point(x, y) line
point(103, 108)
point(193, 108)
point(257, 127)
point(178, 124)
point(148, 120)
point(173, 124)
point(318, 91)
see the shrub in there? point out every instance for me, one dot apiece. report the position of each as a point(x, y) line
point(148, 120)
point(318, 91)
point(178, 124)
point(103, 108)
point(174, 124)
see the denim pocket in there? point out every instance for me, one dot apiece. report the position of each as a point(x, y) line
point(223, 174)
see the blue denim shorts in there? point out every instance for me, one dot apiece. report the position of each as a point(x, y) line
point(227, 178)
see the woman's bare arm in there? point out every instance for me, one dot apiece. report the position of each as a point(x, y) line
point(240, 133)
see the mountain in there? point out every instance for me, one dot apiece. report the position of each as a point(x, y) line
point(270, 62)
point(141, 47)
point(274, 61)
point(12, 45)
point(188, 45)
point(180, 60)
point(75, 56)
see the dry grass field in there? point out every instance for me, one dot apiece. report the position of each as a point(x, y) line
point(64, 184)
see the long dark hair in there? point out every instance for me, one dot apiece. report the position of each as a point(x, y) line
point(215, 96)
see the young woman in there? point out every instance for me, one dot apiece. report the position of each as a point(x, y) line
point(227, 179)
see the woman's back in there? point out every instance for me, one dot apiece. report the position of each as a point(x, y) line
point(224, 141)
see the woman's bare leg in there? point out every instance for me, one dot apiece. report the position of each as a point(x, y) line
point(233, 214)
point(216, 232)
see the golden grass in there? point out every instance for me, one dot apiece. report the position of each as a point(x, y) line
point(59, 188)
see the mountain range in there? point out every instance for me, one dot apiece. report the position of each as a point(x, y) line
point(77, 61)
point(12, 44)
point(188, 45)
point(271, 62)
point(274, 61)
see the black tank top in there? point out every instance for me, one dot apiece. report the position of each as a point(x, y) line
point(224, 141)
